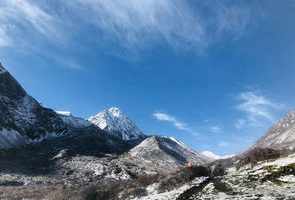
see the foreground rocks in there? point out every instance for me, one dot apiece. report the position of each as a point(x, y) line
point(271, 179)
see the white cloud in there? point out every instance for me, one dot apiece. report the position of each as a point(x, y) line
point(137, 25)
point(256, 108)
point(240, 123)
point(215, 129)
point(160, 116)
point(132, 24)
point(223, 144)
point(164, 117)
point(21, 18)
point(168, 118)
point(5, 40)
point(123, 28)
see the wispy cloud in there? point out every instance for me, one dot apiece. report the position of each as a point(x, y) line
point(223, 144)
point(20, 19)
point(256, 108)
point(164, 117)
point(129, 25)
point(5, 40)
point(169, 118)
point(137, 25)
point(240, 123)
point(215, 129)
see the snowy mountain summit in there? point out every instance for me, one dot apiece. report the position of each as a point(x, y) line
point(115, 122)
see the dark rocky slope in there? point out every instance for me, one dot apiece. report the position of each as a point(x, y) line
point(22, 118)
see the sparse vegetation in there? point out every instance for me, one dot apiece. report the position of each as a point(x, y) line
point(183, 176)
point(259, 154)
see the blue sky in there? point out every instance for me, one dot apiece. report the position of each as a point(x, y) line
point(214, 74)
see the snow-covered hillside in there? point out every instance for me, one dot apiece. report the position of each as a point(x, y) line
point(115, 122)
point(165, 153)
point(281, 135)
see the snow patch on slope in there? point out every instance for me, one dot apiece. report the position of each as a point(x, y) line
point(2, 69)
point(178, 142)
point(64, 113)
point(73, 121)
point(114, 121)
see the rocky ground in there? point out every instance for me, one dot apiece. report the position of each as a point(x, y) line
point(109, 177)
point(272, 179)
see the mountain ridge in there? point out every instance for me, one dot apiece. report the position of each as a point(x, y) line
point(165, 154)
point(281, 135)
point(22, 118)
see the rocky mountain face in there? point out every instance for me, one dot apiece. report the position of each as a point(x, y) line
point(115, 122)
point(165, 154)
point(22, 118)
point(281, 135)
point(72, 121)
point(24, 121)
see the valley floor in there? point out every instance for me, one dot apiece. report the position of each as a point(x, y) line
point(106, 179)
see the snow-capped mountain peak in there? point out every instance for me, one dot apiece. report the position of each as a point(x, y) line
point(116, 112)
point(114, 121)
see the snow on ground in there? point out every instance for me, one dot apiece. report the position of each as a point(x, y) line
point(85, 164)
point(280, 162)
point(2, 70)
point(247, 183)
point(171, 195)
point(288, 179)
point(153, 193)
